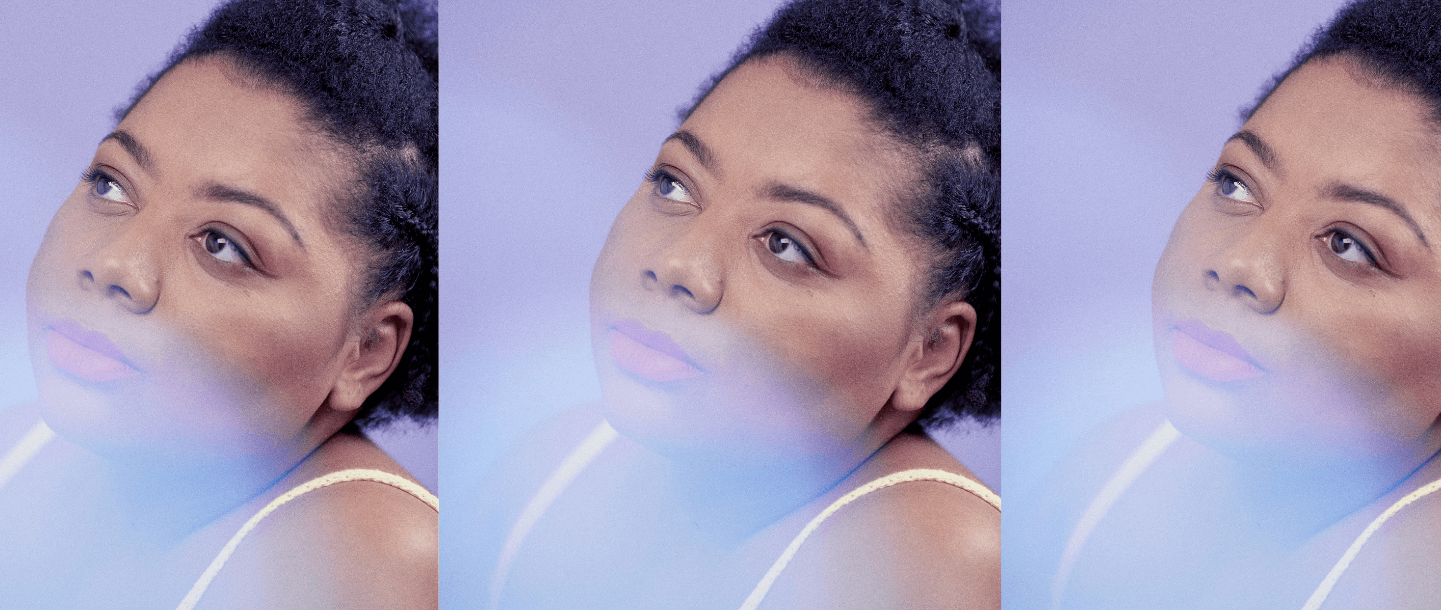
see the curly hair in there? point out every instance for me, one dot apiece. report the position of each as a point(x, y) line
point(929, 72)
point(1398, 41)
point(366, 71)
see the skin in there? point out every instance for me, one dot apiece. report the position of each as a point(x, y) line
point(809, 369)
point(251, 355)
point(1346, 340)
point(1276, 475)
point(691, 255)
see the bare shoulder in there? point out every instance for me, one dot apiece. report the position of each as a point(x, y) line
point(915, 544)
point(354, 544)
point(1400, 566)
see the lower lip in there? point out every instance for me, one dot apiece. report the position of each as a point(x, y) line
point(84, 362)
point(646, 362)
point(1210, 362)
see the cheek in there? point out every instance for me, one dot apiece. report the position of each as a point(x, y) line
point(615, 255)
point(283, 346)
point(1393, 349)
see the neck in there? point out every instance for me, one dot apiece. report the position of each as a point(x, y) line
point(168, 498)
point(734, 501)
point(1299, 502)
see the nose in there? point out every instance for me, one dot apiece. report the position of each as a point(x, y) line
point(123, 268)
point(687, 270)
point(1251, 269)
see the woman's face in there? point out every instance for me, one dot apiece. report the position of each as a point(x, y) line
point(752, 298)
point(1297, 307)
point(190, 294)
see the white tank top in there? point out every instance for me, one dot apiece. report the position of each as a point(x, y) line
point(602, 436)
point(39, 435)
point(1140, 460)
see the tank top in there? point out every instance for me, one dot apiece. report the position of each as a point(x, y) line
point(1141, 459)
point(39, 435)
point(602, 436)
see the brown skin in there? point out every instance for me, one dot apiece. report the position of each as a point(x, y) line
point(251, 352)
point(1348, 343)
point(1275, 476)
point(810, 370)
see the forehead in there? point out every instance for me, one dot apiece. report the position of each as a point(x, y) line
point(203, 123)
point(1331, 120)
point(767, 124)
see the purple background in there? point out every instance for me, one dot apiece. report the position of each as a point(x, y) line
point(1113, 113)
point(551, 112)
point(66, 65)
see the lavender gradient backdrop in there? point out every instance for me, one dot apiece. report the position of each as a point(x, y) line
point(66, 66)
point(1113, 114)
point(551, 112)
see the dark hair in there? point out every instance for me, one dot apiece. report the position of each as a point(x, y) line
point(929, 72)
point(366, 73)
point(1398, 41)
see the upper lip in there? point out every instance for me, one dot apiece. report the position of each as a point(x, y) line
point(1216, 339)
point(654, 339)
point(90, 339)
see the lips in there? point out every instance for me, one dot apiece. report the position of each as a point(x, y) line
point(86, 354)
point(649, 354)
point(1212, 354)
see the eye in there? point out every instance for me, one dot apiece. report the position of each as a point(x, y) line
point(104, 186)
point(1230, 186)
point(787, 248)
point(668, 186)
point(1348, 248)
point(223, 248)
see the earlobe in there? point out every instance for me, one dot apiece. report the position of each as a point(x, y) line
point(936, 353)
point(374, 354)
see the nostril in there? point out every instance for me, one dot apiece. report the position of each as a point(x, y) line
point(1242, 290)
point(118, 291)
point(682, 290)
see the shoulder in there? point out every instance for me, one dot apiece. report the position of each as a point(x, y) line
point(357, 543)
point(1400, 566)
point(914, 544)
point(482, 515)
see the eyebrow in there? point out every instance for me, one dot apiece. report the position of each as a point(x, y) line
point(699, 149)
point(774, 191)
point(132, 146)
point(1346, 192)
point(220, 192)
point(790, 193)
point(1258, 146)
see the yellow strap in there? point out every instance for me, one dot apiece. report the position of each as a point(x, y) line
point(758, 594)
point(1319, 596)
point(1135, 464)
point(576, 461)
point(354, 474)
point(23, 451)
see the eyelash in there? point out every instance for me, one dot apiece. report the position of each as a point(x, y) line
point(796, 243)
point(93, 176)
point(658, 175)
point(239, 249)
point(1371, 260)
point(1221, 175)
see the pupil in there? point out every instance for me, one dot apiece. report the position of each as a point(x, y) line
point(214, 243)
point(778, 243)
point(1340, 243)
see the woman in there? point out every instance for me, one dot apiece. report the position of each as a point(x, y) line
point(794, 286)
point(1290, 462)
point(243, 279)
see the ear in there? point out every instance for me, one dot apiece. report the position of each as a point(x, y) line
point(943, 338)
point(373, 355)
